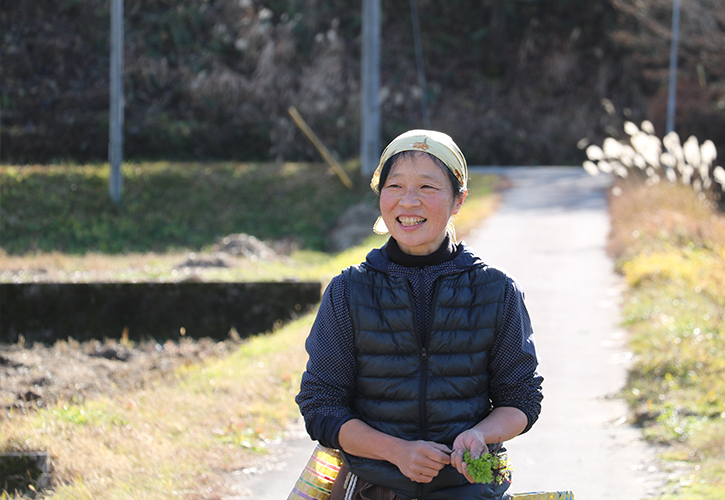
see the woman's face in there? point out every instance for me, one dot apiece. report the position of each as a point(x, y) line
point(416, 203)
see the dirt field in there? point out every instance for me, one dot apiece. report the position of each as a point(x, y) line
point(41, 376)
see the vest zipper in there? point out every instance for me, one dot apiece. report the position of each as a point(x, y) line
point(425, 341)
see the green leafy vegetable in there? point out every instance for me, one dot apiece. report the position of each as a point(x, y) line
point(489, 467)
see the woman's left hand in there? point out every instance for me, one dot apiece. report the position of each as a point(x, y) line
point(472, 440)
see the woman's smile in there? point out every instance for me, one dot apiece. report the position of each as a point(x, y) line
point(410, 221)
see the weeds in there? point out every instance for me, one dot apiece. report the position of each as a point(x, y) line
point(670, 246)
point(643, 155)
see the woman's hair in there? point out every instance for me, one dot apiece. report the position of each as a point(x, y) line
point(458, 188)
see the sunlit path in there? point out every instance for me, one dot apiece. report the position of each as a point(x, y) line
point(550, 233)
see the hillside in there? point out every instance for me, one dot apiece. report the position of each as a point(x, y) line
point(515, 82)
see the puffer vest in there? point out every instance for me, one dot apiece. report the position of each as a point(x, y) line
point(431, 386)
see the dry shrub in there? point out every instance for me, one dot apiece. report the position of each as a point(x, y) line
point(642, 215)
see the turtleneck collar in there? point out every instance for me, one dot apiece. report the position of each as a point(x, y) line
point(447, 251)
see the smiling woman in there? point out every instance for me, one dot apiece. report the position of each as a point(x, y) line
point(423, 352)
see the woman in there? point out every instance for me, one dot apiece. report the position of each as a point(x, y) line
point(423, 351)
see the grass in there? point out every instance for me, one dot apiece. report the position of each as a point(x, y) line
point(57, 223)
point(167, 205)
point(215, 419)
point(670, 246)
point(218, 417)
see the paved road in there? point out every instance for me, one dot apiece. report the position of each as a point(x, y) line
point(550, 233)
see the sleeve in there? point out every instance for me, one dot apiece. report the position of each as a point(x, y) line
point(513, 368)
point(328, 382)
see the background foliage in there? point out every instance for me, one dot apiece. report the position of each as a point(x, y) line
point(515, 82)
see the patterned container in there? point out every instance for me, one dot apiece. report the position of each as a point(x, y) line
point(544, 495)
point(316, 480)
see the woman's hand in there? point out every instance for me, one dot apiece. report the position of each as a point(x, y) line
point(421, 461)
point(502, 424)
point(472, 440)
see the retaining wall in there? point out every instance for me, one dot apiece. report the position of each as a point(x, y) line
point(45, 312)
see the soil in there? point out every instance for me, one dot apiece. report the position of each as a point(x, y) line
point(39, 376)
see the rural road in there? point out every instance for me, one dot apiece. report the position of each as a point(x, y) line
point(550, 233)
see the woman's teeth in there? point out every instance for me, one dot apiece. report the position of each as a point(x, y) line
point(410, 221)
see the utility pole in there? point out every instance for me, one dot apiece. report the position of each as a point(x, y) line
point(115, 132)
point(419, 62)
point(370, 87)
point(672, 91)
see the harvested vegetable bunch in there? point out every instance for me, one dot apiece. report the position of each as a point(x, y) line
point(489, 467)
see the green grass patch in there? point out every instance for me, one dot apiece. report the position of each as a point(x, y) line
point(58, 224)
point(66, 208)
point(674, 265)
point(168, 205)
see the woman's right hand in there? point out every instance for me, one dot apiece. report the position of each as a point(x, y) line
point(421, 461)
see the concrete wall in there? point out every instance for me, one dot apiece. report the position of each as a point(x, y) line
point(44, 312)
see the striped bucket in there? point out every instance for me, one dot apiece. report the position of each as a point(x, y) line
point(544, 495)
point(316, 480)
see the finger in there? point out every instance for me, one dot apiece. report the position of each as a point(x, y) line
point(478, 448)
point(442, 457)
point(426, 476)
point(422, 478)
point(441, 447)
point(468, 477)
point(457, 460)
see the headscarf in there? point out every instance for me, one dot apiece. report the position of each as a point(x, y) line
point(435, 143)
point(432, 142)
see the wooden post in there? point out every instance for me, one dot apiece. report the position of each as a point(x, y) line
point(370, 83)
point(115, 132)
point(324, 152)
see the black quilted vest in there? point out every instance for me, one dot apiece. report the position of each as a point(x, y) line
point(432, 386)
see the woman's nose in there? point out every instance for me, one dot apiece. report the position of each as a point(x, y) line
point(410, 198)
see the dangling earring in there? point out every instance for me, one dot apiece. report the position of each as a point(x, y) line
point(379, 227)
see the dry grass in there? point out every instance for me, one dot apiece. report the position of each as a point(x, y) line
point(671, 249)
point(650, 217)
point(178, 440)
